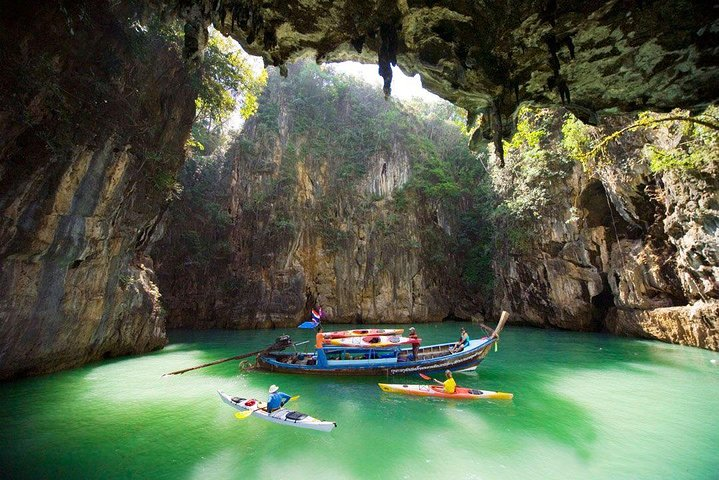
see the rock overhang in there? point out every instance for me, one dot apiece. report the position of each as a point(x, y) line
point(491, 55)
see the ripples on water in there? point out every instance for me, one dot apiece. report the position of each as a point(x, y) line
point(586, 406)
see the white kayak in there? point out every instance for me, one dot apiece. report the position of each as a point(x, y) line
point(283, 416)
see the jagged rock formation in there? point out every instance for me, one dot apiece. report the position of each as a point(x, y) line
point(91, 134)
point(490, 56)
point(620, 248)
point(312, 190)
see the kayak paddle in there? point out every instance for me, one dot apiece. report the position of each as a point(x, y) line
point(293, 398)
point(426, 377)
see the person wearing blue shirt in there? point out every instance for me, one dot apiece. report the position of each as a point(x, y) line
point(277, 399)
point(462, 343)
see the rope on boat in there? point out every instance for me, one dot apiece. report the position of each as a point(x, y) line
point(245, 365)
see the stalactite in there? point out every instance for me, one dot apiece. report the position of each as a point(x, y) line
point(387, 55)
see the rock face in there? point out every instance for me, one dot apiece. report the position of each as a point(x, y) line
point(322, 210)
point(91, 134)
point(494, 54)
point(618, 248)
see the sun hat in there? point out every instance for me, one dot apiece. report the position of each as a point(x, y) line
point(274, 388)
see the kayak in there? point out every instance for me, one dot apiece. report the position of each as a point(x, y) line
point(362, 333)
point(371, 341)
point(281, 416)
point(438, 391)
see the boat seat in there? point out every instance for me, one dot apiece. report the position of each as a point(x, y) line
point(292, 415)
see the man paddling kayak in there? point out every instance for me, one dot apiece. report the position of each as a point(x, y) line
point(449, 385)
point(277, 399)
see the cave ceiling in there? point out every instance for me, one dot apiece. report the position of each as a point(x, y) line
point(490, 55)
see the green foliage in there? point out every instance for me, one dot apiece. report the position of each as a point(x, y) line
point(167, 183)
point(527, 183)
point(576, 139)
point(530, 130)
point(227, 80)
point(698, 147)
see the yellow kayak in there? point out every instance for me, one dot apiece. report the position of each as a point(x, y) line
point(438, 391)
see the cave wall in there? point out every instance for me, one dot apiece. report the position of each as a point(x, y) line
point(615, 247)
point(94, 114)
point(315, 221)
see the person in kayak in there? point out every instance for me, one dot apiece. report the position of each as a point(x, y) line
point(277, 399)
point(449, 385)
point(415, 342)
point(462, 343)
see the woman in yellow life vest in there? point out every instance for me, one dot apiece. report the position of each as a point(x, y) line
point(449, 385)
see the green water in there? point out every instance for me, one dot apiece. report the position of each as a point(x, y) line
point(585, 407)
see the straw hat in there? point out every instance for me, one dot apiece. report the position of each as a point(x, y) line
point(274, 388)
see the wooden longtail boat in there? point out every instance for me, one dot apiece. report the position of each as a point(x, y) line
point(381, 361)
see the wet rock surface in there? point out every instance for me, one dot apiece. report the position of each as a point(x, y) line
point(90, 130)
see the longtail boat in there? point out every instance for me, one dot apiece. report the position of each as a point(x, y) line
point(381, 361)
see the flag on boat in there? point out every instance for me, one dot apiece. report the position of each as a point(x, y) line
point(314, 321)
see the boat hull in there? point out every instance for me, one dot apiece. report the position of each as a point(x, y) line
point(279, 416)
point(438, 392)
point(465, 360)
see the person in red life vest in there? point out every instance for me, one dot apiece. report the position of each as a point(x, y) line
point(415, 342)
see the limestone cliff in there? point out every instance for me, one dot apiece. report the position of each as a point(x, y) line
point(615, 245)
point(322, 205)
point(93, 118)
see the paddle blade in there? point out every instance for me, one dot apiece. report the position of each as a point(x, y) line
point(425, 376)
point(242, 415)
point(293, 398)
point(307, 324)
